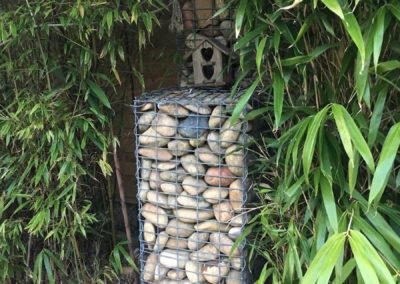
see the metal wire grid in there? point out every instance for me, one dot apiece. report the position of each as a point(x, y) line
point(152, 170)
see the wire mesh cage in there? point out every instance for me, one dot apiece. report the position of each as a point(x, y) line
point(204, 43)
point(192, 186)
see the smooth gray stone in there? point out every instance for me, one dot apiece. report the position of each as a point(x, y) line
point(193, 126)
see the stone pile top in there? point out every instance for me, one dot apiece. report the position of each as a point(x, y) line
point(204, 96)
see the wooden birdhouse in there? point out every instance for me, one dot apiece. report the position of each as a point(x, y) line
point(209, 60)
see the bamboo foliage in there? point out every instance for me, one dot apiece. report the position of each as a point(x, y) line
point(60, 64)
point(329, 167)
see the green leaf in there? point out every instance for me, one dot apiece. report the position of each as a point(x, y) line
point(365, 254)
point(394, 7)
point(346, 126)
point(376, 116)
point(47, 266)
point(377, 240)
point(241, 104)
point(311, 139)
point(353, 172)
point(239, 17)
point(329, 202)
point(334, 6)
point(304, 28)
point(385, 164)
point(260, 52)
point(347, 269)
point(322, 265)
point(279, 87)
point(378, 34)
point(351, 25)
point(99, 93)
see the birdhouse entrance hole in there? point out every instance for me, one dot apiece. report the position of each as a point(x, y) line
point(207, 53)
point(208, 71)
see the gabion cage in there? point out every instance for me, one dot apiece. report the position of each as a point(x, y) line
point(192, 186)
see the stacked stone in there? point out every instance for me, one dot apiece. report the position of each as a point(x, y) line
point(191, 189)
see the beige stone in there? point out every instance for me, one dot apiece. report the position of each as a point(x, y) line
point(200, 109)
point(150, 267)
point(206, 253)
point(217, 117)
point(194, 185)
point(161, 241)
point(143, 190)
point(219, 176)
point(192, 215)
point(214, 143)
point(193, 272)
point(174, 110)
point(213, 272)
point(236, 263)
point(145, 169)
point(197, 240)
point(223, 243)
point(171, 188)
point(205, 155)
point(189, 163)
point(176, 274)
point(234, 277)
point(236, 195)
point(165, 166)
point(155, 180)
point(172, 201)
point(160, 272)
point(204, 12)
point(147, 106)
point(223, 211)
point(165, 125)
point(155, 154)
point(175, 175)
point(226, 28)
point(174, 258)
point(189, 201)
point(235, 233)
point(180, 229)
point(149, 232)
point(215, 194)
point(179, 147)
point(145, 121)
point(194, 142)
point(212, 226)
point(234, 160)
point(157, 198)
point(229, 133)
point(155, 215)
point(238, 220)
point(177, 243)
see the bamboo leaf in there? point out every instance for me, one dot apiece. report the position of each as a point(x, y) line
point(334, 6)
point(47, 266)
point(239, 17)
point(99, 93)
point(376, 116)
point(378, 34)
point(309, 144)
point(385, 164)
point(260, 52)
point(241, 104)
point(278, 86)
point(324, 261)
point(365, 253)
point(351, 25)
point(351, 129)
point(329, 202)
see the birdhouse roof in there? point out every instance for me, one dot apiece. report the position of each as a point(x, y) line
point(214, 43)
